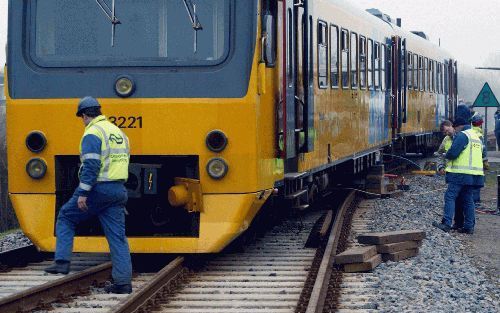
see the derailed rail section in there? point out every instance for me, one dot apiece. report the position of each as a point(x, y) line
point(319, 292)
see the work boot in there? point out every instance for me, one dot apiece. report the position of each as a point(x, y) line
point(456, 227)
point(120, 289)
point(466, 231)
point(59, 267)
point(442, 226)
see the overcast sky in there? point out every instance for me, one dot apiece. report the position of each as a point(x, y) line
point(3, 31)
point(468, 29)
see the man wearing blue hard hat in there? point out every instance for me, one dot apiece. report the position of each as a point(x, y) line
point(464, 172)
point(104, 156)
point(477, 122)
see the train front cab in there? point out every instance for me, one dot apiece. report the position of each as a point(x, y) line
point(176, 103)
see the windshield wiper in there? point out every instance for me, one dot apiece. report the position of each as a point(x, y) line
point(191, 10)
point(110, 13)
point(195, 23)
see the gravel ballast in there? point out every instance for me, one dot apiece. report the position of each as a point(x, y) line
point(13, 240)
point(443, 277)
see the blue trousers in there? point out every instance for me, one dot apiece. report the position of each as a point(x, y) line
point(458, 219)
point(477, 195)
point(466, 197)
point(107, 202)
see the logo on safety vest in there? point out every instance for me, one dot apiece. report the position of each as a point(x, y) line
point(118, 139)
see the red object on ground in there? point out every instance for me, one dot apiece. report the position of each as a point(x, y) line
point(391, 175)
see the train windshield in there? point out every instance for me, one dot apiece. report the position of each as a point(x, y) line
point(129, 32)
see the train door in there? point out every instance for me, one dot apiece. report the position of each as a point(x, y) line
point(404, 67)
point(455, 85)
point(396, 85)
point(451, 90)
point(298, 123)
point(446, 90)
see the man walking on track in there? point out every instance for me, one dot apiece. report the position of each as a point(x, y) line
point(464, 171)
point(104, 154)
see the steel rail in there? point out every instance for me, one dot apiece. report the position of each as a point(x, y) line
point(147, 295)
point(55, 290)
point(318, 294)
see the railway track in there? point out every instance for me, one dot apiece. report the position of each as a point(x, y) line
point(25, 286)
point(352, 292)
point(280, 272)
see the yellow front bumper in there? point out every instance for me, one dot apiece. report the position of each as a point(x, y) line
point(224, 217)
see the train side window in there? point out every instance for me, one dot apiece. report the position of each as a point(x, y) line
point(334, 56)
point(383, 53)
point(415, 72)
point(441, 80)
point(345, 58)
point(376, 58)
point(438, 82)
point(426, 74)
point(445, 76)
point(370, 64)
point(429, 75)
point(354, 60)
point(420, 73)
point(362, 62)
point(441, 77)
point(432, 73)
point(445, 81)
point(409, 59)
point(434, 76)
point(290, 47)
point(322, 55)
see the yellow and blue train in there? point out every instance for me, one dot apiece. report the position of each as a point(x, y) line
point(227, 104)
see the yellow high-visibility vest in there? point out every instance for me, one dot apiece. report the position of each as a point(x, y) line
point(470, 160)
point(479, 131)
point(447, 142)
point(115, 150)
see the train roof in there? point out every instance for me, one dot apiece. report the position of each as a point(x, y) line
point(414, 40)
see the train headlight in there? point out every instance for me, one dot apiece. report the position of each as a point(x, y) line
point(36, 141)
point(124, 86)
point(216, 141)
point(217, 168)
point(36, 168)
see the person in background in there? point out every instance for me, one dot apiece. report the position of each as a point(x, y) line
point(464, 171)
point(449, 132)
point(497, 127)
point(477, 122)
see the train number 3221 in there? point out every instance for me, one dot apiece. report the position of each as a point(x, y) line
point(126, 121)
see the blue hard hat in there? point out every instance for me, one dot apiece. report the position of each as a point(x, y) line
point(85, 103)
point(462, 116)
point(477, 118)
